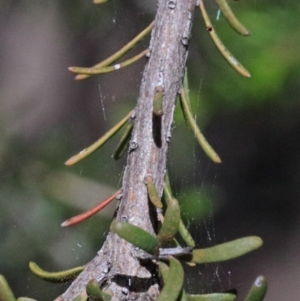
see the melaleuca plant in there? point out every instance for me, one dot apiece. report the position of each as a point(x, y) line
point(141, 258)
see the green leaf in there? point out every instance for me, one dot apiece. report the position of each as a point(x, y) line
point(163, 270)
point(173, 280)
point(25, 299)
point(235, 64)
point(121, 52)
point(94, 292)
point(231, 18)
point(258, 289)
point(62, 276)
point(211, 297)
point(226, 251)
point(5, 291)
point(124, 142)
point(136, 236)
point(171, 222)
point(183, 231)
point(100, 1)
point(210, 152)
point(99, 143)
point(158, 101)
point(183, 296)
point(152, 193)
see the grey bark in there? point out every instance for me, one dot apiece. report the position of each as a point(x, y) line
point(115, 267)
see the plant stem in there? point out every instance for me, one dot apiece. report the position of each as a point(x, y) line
point(115, 267)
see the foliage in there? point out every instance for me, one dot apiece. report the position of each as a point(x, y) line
point(262, 75)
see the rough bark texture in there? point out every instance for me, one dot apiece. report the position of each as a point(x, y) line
point(115, 267)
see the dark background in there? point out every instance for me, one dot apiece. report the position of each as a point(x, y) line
point(46, 116)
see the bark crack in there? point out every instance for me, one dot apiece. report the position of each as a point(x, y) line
point(115, 267)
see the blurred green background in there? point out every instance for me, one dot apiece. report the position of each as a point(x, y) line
point(46, 116)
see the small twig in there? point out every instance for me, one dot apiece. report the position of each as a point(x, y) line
point(176, 252)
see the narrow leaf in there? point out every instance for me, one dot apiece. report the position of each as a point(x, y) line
point(164, 270)
point(124, 142)
point(171, 222)
point(62, 276)
point(186, 235)
point(212, 297)
point(187, 96)
point(210, 152)
point(231, 18)
point(94, 292)
point(120, 52)
point(258, 289)
point(223, 50)
point(25, 299)
point(136, 236)
point(152, 193)
point(100, 1)
point(158, 101)
point(6, 293)
point(186, 89)
point(174, 281)
point(108, 69)
point(87, 214)
point(183, 231)
point(89, 150)
point(226, 251)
